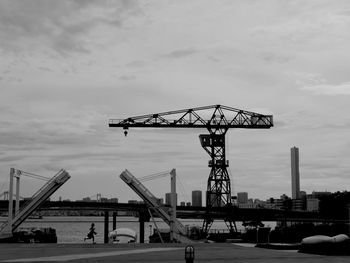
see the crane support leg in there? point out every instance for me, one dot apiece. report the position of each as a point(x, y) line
point(219, 185)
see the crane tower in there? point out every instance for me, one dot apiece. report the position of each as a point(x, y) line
point(217, 119)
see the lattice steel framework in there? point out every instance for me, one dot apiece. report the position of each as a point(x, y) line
point(217, 119)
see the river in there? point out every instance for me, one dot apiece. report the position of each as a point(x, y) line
point(73, 229)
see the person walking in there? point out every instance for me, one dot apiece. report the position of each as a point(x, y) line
point(91, 234)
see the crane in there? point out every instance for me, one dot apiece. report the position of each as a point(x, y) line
point(217, 119)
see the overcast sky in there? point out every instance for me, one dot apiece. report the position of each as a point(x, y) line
point(67, 67)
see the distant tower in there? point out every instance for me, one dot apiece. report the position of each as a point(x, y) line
point(294, 152)
point(197, 198)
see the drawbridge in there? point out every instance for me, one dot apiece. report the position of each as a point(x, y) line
point(35, 201)
point(179, 230)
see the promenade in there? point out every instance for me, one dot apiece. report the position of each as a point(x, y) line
point(169, 253)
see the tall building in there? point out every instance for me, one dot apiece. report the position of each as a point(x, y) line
point(294, 152)
point(197, 198)
point(242, 198)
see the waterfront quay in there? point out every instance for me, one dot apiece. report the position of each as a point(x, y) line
point(204, 252)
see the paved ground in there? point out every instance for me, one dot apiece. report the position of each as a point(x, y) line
point(154, 253)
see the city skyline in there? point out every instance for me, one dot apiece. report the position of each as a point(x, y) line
point(165, 198)
point(70, 66)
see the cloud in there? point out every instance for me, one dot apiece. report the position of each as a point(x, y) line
point(136, 64)
point(45, 69)
point(272, 57)
point(11, 158)
point(213, 58)
point(128, 77)
point(335, 126)
point(308, 22)
point(180, 53)
point(263, 57)
point(63, 26)
point(307, 79)
point(345, 12)
point(328, 89)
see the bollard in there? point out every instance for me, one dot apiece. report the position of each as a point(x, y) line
point(189, 254)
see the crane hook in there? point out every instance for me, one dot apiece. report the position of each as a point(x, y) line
point(125, 133)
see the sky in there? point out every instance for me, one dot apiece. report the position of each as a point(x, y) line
point(67, 67)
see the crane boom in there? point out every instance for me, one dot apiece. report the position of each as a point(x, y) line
point(217, 119)
point(222, 117)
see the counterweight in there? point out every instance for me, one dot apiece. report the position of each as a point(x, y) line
point(217, 119)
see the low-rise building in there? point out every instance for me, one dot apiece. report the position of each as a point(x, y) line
point(312, 204)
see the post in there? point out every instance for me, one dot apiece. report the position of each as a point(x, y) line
point(17, 192)
point(114, 220)
point(189, 254)
point(106, 227)
point(150, 230)
point(142, 227)
point(349, 217)
point(173, 204)
point(10, 215)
